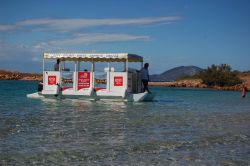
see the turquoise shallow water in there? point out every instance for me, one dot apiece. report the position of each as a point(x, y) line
point(181, 127)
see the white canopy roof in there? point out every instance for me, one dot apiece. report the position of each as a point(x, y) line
point(95, 57)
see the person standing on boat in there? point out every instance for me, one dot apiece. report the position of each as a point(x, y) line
point(56, 66)
point(145, 77)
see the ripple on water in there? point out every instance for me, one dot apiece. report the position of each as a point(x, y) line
point(182, 127)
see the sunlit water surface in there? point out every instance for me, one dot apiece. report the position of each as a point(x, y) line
point(181, 127)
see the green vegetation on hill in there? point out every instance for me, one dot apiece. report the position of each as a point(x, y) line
point(220, 75)
point(217, 75)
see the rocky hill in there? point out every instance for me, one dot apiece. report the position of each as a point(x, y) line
point(173, 74)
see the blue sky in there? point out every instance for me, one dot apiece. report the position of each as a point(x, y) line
point(168, 33)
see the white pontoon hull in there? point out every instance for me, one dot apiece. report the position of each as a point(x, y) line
point(129, 97)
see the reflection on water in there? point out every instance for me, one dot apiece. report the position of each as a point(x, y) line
point(181, 127)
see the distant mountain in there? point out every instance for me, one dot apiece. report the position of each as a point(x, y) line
point(173, 74)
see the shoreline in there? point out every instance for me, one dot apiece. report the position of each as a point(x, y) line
point(197, 83)
point(189, 83)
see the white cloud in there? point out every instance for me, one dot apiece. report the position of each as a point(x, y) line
point(10, 50)
point(17, 57)
point(75, 24)
point(7, 27)
point(42, 47)
point(97, 38)
point(13, 54)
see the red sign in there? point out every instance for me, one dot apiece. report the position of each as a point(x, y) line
point(83, 80)
point(118, 81)
point(51, 80)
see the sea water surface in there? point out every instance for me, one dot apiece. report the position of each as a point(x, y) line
point(180, 127)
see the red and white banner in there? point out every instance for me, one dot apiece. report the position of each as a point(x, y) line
point(118, 81)
point(83, 80)
point(52, 80)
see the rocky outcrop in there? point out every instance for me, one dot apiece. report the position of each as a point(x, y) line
point(15, 75)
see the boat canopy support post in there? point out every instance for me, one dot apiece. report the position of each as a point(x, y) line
point(43, 74)
point(78, 65)
point(75, 78)
point(126, 66)
point(60, 70)
point(108, 79)
point(93, 74)
point(140, 80)
point(126, 74)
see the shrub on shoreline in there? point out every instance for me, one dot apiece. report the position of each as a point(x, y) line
point(219, 75)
